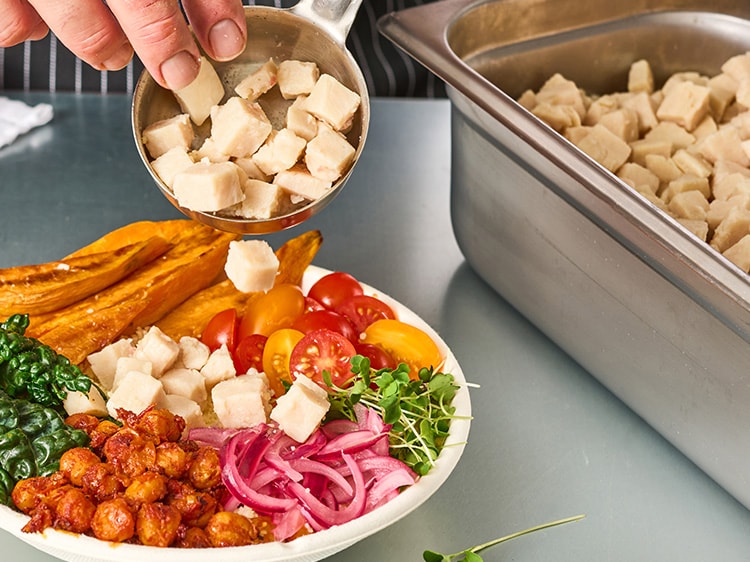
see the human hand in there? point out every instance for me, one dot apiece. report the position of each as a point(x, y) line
point(105, 35)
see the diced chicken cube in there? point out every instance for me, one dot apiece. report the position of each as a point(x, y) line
point(187, 409)
point(622, 122)
point(705, 128)
point(128, 364)
point(300, 182)
point(251, 169)
point(642, 148)
point(640, 77)
point(692, 164)
point(724, 144)
point(663, 167)
point(639, 176)
point(242, 401)
point(251, 265)
point(559, 117)
point(689, 205)
point(698, 227)
point(209, 151)
point(193, 353)
point(576, 134)
point(259, 82)
point(722, 89)
point(104, 362)
point(197, 98)
point(558, 90)
point(719, 208)
point(731, 229)
point(262, 200)
point(328, 155)
point(280, 152)
point(678, 78)
point(332, 102)
point(687, 104)
point(300, 121)
point(185, 382)
point(727, 186)
point(527, 99)
point(135, 393)
point(239, 127)
point(158, 348)
point(605, 147)
point(685, 183)
point(599, 107)
point(300, 411)
point(208, 186)
point(171, 163)
point(738, 67)
point(739, 253)
point(219, 367)
point(674, 133)
point(297, 78)
point(644, 108)
point(163, 135)
point(92, 403)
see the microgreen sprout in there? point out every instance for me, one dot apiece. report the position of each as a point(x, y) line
point(419, 411)
point(472, 554)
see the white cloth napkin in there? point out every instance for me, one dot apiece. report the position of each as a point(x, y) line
point(17, 118)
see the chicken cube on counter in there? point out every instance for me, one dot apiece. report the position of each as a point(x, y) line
point(208, 186)
point(242, 401)
point(332, 102)
point(258, 82)
point(239, 127)
point(251, 265)
point(163, 135)
point(136, 392)
point(296, 78)
point(158, 348)
point(300, 411)
point(197, 98)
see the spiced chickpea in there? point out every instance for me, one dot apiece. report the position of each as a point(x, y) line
point(113, 520)
point(130, 453)
point(227, 528)
point(157, 524)
point(74, 463)
point(74, 511)
point(86, 422)
point(205, 470)
point(195, 507)
point(192, 537)
point(101, 482)
point(30, 492)
point(148, 487)
point(172, 459)
point(160, 424)
point(103, 431)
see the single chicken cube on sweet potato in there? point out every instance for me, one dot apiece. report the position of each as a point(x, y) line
point(297, 78)
point(251, 265)
point(640, 77)
point(687, 104)
point(171, 163)
point(280, 152)
point(328, 155)
point(605, 147)
point(258, 82)
point(299, 182)
point(332, 102)
point(197, 98)
point(208, 186)
point(165, 134)
point(739, 253)
point(239, 127)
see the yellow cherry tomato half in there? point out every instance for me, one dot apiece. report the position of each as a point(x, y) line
point(405, 343)
point(276, 354)
point(272, 311)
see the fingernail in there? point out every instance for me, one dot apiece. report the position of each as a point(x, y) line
point(226, 40)
point(179, 70)
point(120, 58)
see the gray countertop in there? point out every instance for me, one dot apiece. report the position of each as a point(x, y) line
point(547, 440)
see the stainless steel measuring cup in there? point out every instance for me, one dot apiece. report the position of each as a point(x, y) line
point(312, 30)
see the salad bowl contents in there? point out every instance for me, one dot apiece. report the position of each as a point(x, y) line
point(277, 425)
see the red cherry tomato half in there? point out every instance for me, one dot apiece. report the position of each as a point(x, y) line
point(379, 358)
point(272, 311)
point(363, 310)
point(249, 353)
point(334, 288)
point(221, 330)
point(323, 350)
point(326, 320)
point(311, 304)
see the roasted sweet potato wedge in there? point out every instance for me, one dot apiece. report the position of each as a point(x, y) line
point(36, 289)
point(132, 233)
point(194, 262)
point(191, 317)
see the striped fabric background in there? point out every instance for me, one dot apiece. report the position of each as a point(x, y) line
point(48, 65)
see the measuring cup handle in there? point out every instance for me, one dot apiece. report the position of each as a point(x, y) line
point(335, 16)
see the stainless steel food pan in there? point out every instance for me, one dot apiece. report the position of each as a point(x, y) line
point(654, 313)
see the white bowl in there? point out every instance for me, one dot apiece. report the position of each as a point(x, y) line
point(316, 546)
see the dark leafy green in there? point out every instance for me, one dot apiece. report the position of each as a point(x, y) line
point(32, 440)
point(34, 371)
point(419, 411)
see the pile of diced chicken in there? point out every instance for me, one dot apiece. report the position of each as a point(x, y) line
point(685, 147)
point(246, 168)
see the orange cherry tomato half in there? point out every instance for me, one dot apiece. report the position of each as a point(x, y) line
point(249, 353)
point(405, 343)
point(271, 311)
point(323, 350)
point(276, 354)
point(332, 289)
point(221, 330)
point(363, 310)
